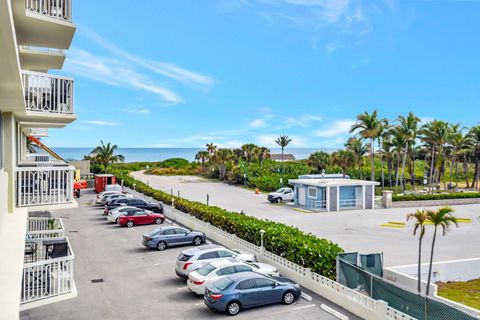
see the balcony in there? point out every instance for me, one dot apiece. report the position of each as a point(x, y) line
point(36, 132)
point(44, 23)
point(39, 186)
point(48, 270)
point(41, 59)
point(48, 97)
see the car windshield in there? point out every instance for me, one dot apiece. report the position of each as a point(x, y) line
point(184, 257)
point(256, 266)
point(203, 271)
point(280, 190)
point(223, 283)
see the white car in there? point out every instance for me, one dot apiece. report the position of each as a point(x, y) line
point(114, 214)
point(113, 187)
point(199, 279)
point(115, 196)
point(281, 195)
point(192, 259)
point(102, 195)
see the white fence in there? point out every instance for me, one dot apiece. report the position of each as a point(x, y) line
point(44, 228)
point(349, 203)
point(48, 278)
point(36, 132)
point(44, 185)
point(317, 204)
point(47, 93)
point(351, 300)
point(57, 9)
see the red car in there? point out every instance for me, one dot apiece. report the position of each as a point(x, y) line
point(140, 216)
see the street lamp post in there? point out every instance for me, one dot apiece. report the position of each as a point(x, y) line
point(262, 232)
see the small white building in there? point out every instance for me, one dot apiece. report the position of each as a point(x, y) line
point(334, 194)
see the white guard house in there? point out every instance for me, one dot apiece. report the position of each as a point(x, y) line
point(333, 193)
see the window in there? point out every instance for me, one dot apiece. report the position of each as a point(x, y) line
point(180, 231)
point(223, 283)
point(137, 202)
point(225, 254)
point(121, 200)
point(169, 232)
point(262, 283)
point(226, 270)
point(312, 192)
point(288, 191)
point(242, 268)
point(246, 284)
point(203, 271)
point(140, 213)
point(208, 255)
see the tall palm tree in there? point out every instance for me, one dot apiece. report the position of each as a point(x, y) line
point(474, 135)
point(283, 142)
point(368, 126)
point(398, 141)
point(202, 156)
point(211, 148)
point(343, 159)
point(319, 160)
point(104, 154)
point(441, 218)
point(358, 150)
point(458, 142)
point(249, 151)
point(262, 153)
point(409, 127)
point(221, 158)
point(383, 134)
point(420, 217)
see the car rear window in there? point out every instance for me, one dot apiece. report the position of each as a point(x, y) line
point(203, 271)
point(223, 283)
point(184, 257)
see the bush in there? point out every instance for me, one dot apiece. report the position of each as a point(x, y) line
point(291, 243)
point(438, 196)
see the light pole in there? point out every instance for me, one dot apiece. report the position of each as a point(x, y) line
point(262, 232)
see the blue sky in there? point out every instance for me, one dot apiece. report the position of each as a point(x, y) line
point(183, 73)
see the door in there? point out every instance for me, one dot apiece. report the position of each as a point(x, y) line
point(182, 236)
point(142, 217)
point(301, 195)
point(248, 293)
point(288, 195)
point(267, 291)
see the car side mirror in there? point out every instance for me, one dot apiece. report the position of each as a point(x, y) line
point(274, 285)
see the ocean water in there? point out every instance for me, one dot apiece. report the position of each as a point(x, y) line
point(159, 154)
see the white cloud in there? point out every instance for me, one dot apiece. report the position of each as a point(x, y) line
point(137, 110)
point(336, 128)
point(163, 68)
point(304, 121)
point(116, 73)
point(101, 122)
point(258, 123)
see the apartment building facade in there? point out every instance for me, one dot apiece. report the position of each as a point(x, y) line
point(37, 265)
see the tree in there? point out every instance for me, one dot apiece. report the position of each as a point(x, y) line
point(474, 135)
point(283, 142)
point(398, 142)
point(420, 217)
point(221, 157)
point(443, 219)
point(319, 160)
point(343, 159)
point(368, 126)
point(249, 151)
point(409, 128)
point(104, 154)
point(383, 134)
point(358, 150)
point(211, 148)
point(202, 156)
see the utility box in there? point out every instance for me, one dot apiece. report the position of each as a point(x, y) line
point(101, 180)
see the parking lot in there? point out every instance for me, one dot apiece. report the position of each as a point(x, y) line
point(132, 282)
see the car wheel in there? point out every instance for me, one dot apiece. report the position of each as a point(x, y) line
point(116, 220)
point(158, 221)
point(279, 200)
point(197, 241)
point(233, 308)
point(130, 224)
point(288, 297)
point(161, 246)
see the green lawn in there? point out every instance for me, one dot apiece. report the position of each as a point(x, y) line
point(467, 293)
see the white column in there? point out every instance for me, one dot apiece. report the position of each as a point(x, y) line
point(338, 198)
point(327, 199)
point(373, 197)
point(363, 197)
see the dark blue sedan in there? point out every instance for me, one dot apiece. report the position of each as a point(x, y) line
point(163, 237)
point(244, 290)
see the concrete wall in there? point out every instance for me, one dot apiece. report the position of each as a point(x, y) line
point(369, 192)
point(82, 165)
point(434, 203)
point(333, 199)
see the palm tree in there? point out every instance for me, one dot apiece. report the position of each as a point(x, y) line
point(398, 142)
point(343, 159)
point(221, 157)
point(368, 126)
point(358, 149)
point(383, 134)
point(262, 153)
point(283, 142)
point(202, 156)
point(474, 135)
point(441, 218)
point(211, 148)
point(249, 151)
point(319, 160)
point(409, 128)
point(420, 217)
point(104, 154)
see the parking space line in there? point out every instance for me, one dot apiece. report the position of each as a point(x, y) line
point(199, 304)
point(304, 307)
point(333, 312)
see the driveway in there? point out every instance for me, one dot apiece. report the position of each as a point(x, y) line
point(353, 230)
point(137, 283)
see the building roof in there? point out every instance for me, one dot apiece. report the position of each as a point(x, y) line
point(278, 156)
point(333, 182)
point(325, 176)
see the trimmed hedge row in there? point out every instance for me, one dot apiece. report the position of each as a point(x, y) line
point(288, 242)
point(438, 196)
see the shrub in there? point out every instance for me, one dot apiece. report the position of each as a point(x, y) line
point(438, 196)
point(291, 243)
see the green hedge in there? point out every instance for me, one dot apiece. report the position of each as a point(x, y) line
point(291, 243)
point(438, 196)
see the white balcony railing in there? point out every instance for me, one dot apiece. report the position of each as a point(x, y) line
point(316, 204)
point(36, 132)
point(48, 93)
point(44, 228)
point(349, 203)
point(44, 185)
point(57, 9)
point(33, 157)
point(50, 274)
